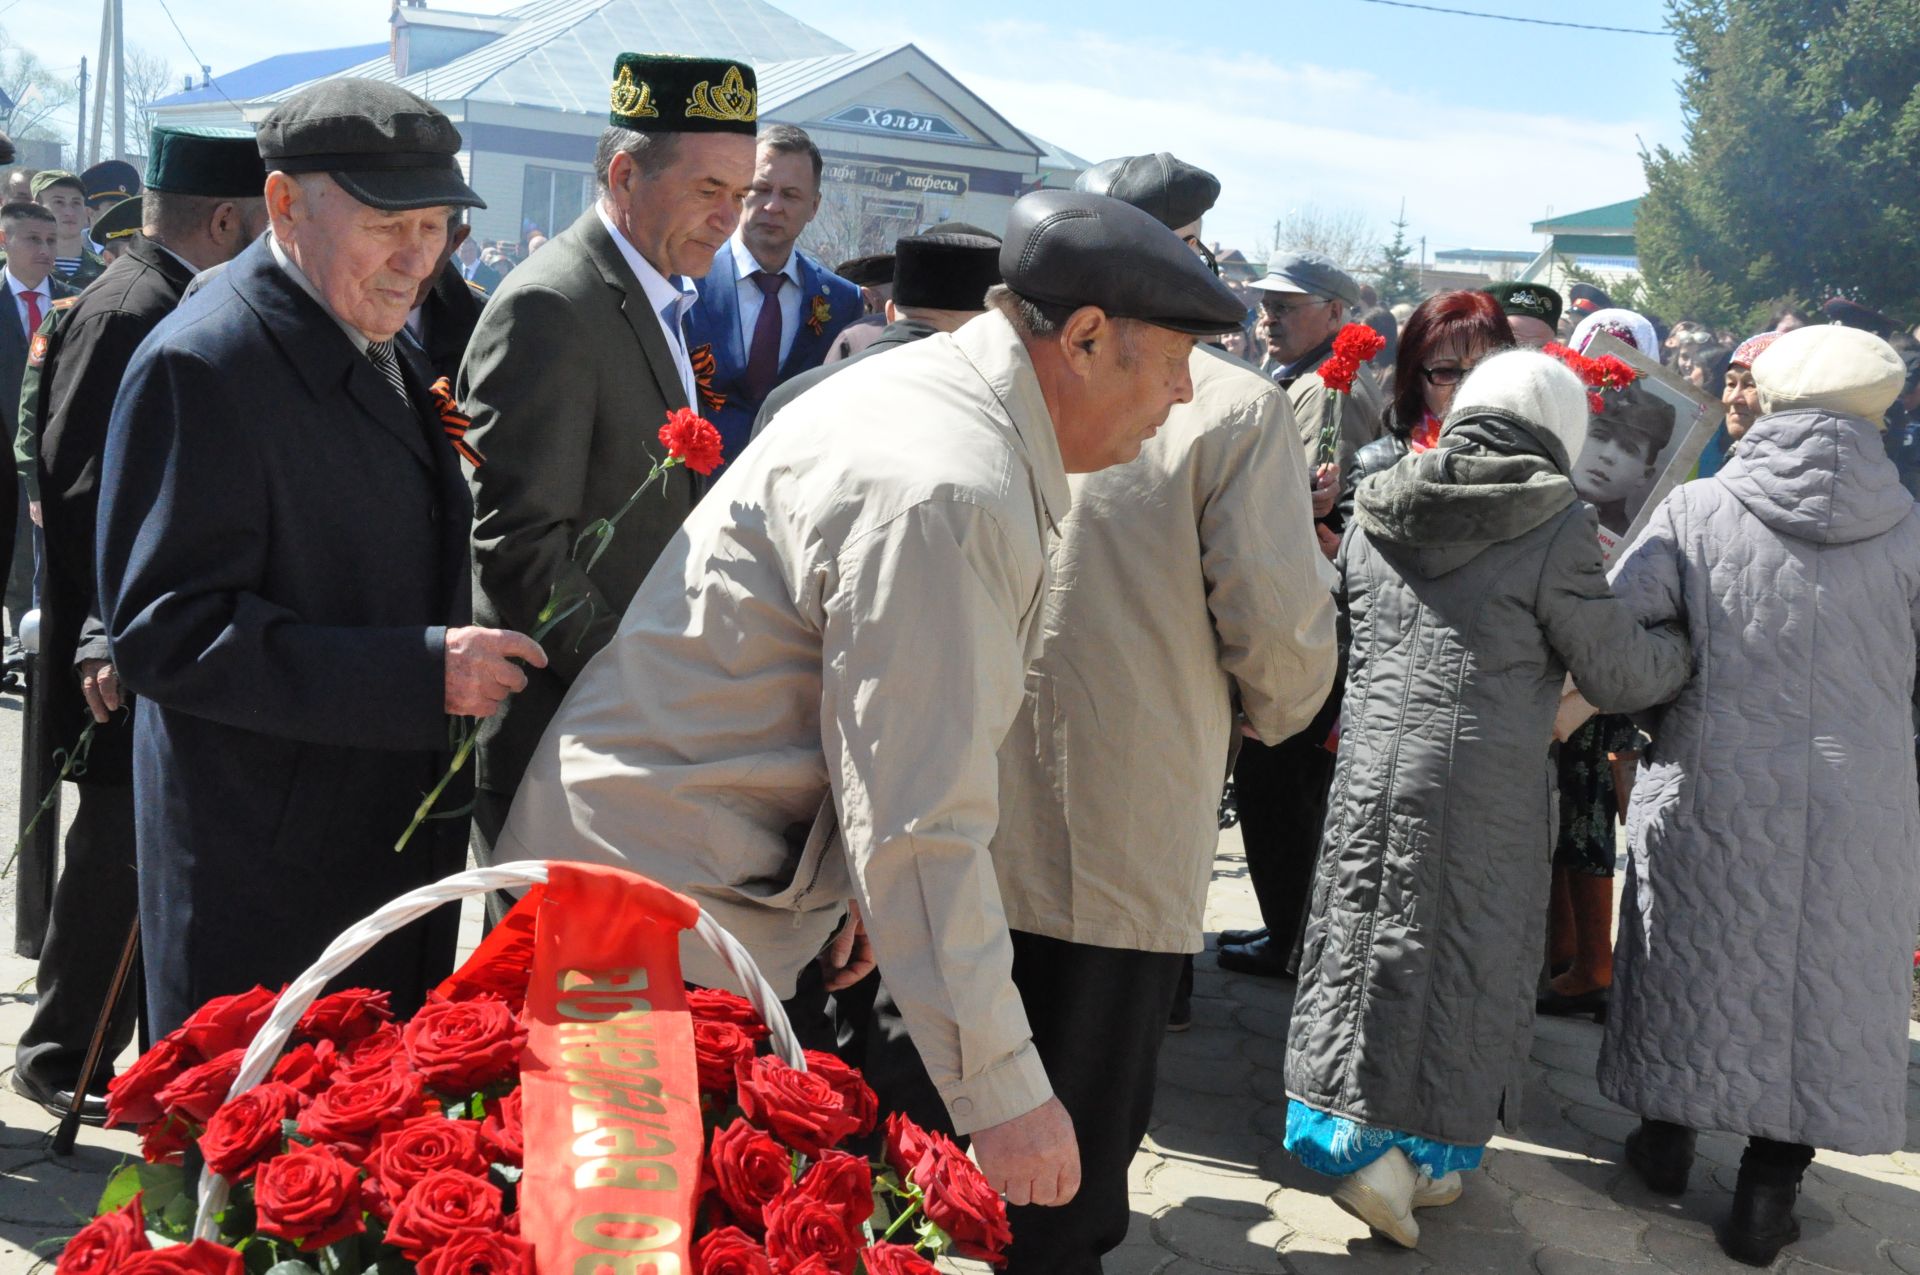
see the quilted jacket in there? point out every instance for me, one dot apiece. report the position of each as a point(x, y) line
point(1474, 584)
point(1763, 972)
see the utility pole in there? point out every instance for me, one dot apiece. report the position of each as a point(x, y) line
point(80, 134)
point(119, 81)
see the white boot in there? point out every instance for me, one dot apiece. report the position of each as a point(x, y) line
point(1381, 1195)
point(1431, 1192)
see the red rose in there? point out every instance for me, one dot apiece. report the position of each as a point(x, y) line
point(196, 1093)
point(306, 1069)
point(714, 1005)
point(202, 1257)
point(500, 1131)
point(895, 1259)
point(800, 1226)
point(749, 1170)
point(379, 1051)
point(906, 1143)
point(402, 1156)
point(166, 1140)
point(106, 1242)
point(855, 1095)
point(347, 1016)
point(959, 1201)
point(133, 1095)
point(460, 1046)
point(801, 1108)
point(844, 1183)
point(480, 1253)
point(690, 439)
point(719, 1047)
point(730, 1251)
point(440, 1206)
point(352, 1112)
point(228, 1022)
point(309, 1195)
point(248, 1129)
point(811, 1264)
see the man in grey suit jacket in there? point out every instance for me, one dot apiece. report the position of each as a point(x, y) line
point(574, 366)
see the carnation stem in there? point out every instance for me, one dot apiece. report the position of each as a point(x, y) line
point(913, 1207)
point(73, 761)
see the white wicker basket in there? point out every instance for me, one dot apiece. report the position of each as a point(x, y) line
point(345, 950)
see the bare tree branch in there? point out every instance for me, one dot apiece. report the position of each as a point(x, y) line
point(1346, 235)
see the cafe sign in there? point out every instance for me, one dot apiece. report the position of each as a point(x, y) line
point(895, 121)
point(891, 178)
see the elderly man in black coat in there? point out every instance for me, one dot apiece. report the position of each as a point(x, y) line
point(284, 572)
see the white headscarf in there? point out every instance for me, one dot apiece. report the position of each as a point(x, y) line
point(1625, 324)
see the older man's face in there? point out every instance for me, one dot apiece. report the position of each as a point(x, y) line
point(369, 264)
point(1129, 382)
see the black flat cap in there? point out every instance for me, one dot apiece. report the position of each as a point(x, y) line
point(1851, 314)
point(110, 181)
point(222, 163)
point(1171, 190)
point(869, 271)
point(387, 148)
point(122, 221)
point(945, 270)
point(1070, 248)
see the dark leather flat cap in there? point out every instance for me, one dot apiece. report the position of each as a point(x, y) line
point(387, 148)
point(1172, 190)
point(945, 269)
point(869, 271)
point(1070, 248)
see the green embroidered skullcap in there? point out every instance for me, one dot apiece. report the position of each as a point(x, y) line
point(223, 163)
point(1528, 301)
point(665, 93)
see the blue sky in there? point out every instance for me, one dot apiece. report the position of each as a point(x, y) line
point(1481, 126)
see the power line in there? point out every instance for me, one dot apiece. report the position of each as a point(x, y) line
point(1508, 17)
point(197, 60)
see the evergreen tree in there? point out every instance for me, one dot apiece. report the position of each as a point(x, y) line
point(1397, 281)
point(1801, 169)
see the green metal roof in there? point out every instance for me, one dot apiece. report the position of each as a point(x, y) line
point(1613, 219)
point(1595, 245)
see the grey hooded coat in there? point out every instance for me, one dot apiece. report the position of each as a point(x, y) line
point(1762, 976)
point(1474, 584)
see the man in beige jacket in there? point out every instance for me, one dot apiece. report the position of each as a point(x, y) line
point(1182, 585)
point(803, 702)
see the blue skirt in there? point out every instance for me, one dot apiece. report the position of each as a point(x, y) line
point(1337, 1146)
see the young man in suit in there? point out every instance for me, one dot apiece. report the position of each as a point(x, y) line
point(32, 291)
point(768, 310)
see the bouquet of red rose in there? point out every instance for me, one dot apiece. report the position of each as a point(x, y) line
point(373, 1145)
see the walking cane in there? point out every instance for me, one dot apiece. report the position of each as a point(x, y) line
point(69, 1130)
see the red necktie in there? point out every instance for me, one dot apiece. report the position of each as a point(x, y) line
point(32, 299)
point(763, 356)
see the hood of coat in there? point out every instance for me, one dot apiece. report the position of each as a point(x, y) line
point(1818, 475)
point(1490, 479)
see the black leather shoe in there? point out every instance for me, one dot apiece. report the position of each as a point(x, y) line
point(93, 1108)
point(1259, 957)
point(1240, 938)
point(1762, 1222)
point(1662, 1155)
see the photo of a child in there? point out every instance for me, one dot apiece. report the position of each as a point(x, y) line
point(1619, 464)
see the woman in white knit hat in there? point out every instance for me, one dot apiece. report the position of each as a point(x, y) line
point(1762, 977)
point(1473, 583)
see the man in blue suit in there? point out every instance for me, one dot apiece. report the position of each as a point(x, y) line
point(768, 311)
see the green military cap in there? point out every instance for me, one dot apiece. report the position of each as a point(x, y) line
point(222, 163)
point(665, 93)
point(1528, 300)
point(48, 177)
point(122, 221)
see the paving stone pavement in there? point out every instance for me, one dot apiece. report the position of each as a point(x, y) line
point(1213, 1190)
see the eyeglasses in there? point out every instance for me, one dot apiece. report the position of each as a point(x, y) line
point(1445, 375)
point(1206, 253)
point(1278, 309)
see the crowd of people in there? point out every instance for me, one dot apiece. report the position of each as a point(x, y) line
point(926, 691)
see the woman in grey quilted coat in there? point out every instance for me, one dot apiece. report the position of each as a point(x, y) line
point(1473, 582)
point(1762, 976)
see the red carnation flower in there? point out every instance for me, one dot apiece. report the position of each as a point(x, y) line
point(105, 1244)
point(480, 1253)
point(844, 1183)
point(441, 1206)
point(959, 1201)
point(719, 1047)
point(730, 1251)
point(713, 1005)
point(856, 1096)
point(801, 1108)
point(247, 1130)
point(346, 1016)
point(461, 1046)
point(402, 1156)
point(1595, 403)
point(1338, 373)
point(202, 1257)
point(895, 1259)
point(309, 1195)
point(691, 440)
point(228, 1022)
point(1358, 342)
point(800, 1226)
point(133, 1095)
point(500, 1132)
point(196, 1093)
point(749, 1169)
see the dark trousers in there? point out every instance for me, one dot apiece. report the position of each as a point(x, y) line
point(1764, 1159)
point(1283, 807)
point(94, 904)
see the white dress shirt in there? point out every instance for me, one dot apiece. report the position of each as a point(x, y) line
point(15, 288)
point(668, 298)
point(792, 292)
